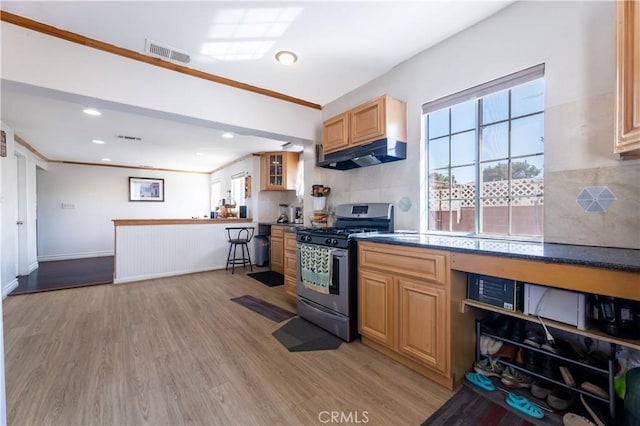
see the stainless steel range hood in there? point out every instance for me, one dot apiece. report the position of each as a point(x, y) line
point(377, 152)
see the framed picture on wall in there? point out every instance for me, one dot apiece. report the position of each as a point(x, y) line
point(146, 189)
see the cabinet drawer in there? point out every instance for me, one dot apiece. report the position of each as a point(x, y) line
point(277, 232)
point(420, 263)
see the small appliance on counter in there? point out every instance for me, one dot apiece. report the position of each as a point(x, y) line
point(284, 217)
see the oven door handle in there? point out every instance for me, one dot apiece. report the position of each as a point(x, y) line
point(334, 286)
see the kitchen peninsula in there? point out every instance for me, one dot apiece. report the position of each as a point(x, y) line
point(154, 248)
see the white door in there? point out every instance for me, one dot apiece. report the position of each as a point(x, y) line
point(22, 258)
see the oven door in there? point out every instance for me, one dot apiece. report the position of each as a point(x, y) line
point(338, 298)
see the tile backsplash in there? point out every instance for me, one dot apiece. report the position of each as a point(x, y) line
point(598, 206)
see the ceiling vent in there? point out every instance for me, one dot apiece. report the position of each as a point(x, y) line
point(167, 52)
point(129, 138)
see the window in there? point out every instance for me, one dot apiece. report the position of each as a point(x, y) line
point(485, 158)
point(216, 194)
point(237, 189)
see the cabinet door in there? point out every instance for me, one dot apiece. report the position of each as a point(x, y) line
point(335, 133)
point(277, 249)
point(423, 323)
point(290, 273)
point(377, 307)
point(627, 140)
point(367, 122)
point(278, 171)
point(277, 255)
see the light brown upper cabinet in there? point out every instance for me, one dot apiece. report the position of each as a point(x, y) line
point(627, 140)
point(335, 133)
point(278, 171)
point(373, 120)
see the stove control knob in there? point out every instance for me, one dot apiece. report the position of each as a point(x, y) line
point(328, 241)
point(307, 238)
point(334, 242)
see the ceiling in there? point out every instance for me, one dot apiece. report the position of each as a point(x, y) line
point(340, 46)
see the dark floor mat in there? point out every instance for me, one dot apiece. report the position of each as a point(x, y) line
point(266, 309)
point(300, 335)
point(268, 278)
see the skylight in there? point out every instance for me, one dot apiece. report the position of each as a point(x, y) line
point(242, 34)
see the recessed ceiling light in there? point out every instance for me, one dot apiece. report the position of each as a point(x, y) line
point(105, 159)
point(227, 135)
point(286, 57)
point(98, 141)
point(199, 154)
point(91, 111)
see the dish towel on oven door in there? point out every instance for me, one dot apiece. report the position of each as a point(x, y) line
point(316, 267)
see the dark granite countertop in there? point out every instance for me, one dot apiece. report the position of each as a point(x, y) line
point(599, 257)
point(297, 225)
point(264, 227)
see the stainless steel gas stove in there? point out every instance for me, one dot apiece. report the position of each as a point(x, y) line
point(327, 266)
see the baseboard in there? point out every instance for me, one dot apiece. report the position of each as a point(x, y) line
point(9, 288)
point(163, 275)
point(71, 256)
point(33, 267)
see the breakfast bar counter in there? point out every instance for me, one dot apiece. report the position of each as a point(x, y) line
point(155, 248)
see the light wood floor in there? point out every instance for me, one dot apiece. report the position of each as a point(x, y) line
point(177, 351)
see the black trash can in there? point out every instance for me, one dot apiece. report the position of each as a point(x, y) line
point(262, 250)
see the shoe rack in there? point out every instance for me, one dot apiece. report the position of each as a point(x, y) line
point(608, 373)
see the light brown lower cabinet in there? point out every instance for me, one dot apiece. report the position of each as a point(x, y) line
point(290, 266)
point(277, 249)
point(407, 309)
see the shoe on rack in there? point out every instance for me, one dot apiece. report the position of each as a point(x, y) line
point(488, 367)
point(533, 361)
point(594, 389)
point(507, 352)
point(533, 338)
point(594, 410)
point(517, 332)
point(572, 419)
point(489, 345)
point(560, 399)
point(567, 377)
point(550, 346)
point(550, 368)
point(516, 379)
point(541, 389)
point(492, 322)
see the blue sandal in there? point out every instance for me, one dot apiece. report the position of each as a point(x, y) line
point(523, 405)
point(481, 381)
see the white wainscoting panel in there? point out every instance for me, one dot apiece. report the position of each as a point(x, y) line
point(154, 251)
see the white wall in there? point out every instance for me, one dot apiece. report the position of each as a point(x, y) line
point(575, 40)
point(100, 194)
point(44, 61)
point(262, 206)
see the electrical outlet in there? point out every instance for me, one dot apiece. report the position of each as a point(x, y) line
point(68, 205)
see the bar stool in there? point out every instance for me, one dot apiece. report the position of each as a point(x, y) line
point(239, 236)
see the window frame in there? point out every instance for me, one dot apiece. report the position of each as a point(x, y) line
point(477, 95)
